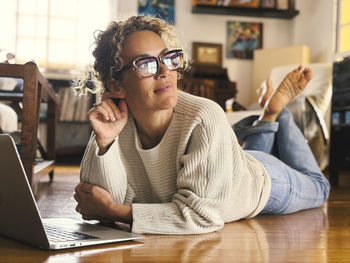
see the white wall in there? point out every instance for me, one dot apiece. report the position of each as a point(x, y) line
point(313, 26)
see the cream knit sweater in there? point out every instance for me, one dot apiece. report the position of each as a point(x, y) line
point(196, 179)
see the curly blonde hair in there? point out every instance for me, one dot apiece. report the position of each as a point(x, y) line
point(109, 45)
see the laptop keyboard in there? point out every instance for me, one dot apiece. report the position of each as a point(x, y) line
point(57, 234)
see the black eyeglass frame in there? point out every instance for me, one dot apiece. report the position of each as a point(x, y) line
point(133, 64)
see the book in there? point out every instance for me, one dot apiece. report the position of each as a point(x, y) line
point(78, 108)
point(64, 104)
point(85, 108)
point(71, 106)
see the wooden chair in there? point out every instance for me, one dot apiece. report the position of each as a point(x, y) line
point(36, 89)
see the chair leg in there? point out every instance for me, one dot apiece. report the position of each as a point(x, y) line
point(51, 173)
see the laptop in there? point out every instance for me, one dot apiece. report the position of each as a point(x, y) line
point(20, 218)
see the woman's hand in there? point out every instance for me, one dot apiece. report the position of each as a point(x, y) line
point(95, 203)
point(107, 120)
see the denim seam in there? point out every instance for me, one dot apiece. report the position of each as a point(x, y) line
point(276, 203)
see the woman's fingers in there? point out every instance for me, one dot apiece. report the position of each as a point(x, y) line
point(83, 187)
point(108, 110)
point(84, 215)
point(76, 197)
point(93, 201)
point(114, 108)
point(78, 209)
point(99, 110)
point(108, 96)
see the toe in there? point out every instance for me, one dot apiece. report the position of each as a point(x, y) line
point(269, 85)
point(308, 74)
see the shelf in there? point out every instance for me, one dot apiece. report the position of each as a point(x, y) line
point(340, 108)
point(11, 96)
point(39, 167)
point(341, 125)
point(244, 11)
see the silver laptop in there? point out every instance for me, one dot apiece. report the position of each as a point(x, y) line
point(20, 218)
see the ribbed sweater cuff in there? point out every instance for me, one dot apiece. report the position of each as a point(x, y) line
point(152, 218)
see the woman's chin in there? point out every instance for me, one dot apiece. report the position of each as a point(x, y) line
point(168, 103)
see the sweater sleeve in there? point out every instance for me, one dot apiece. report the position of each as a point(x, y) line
point(203, 187)
point(106, 171)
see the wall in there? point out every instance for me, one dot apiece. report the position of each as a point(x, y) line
point(313, 26)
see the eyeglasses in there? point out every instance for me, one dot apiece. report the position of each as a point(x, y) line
point(149, 66)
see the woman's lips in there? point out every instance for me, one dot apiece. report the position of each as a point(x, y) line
point(163, 88)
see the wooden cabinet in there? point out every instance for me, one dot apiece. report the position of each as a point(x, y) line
point(209, 82)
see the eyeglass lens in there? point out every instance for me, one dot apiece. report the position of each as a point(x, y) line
point(149, 66)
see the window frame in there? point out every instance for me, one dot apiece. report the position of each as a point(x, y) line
point(339, 26)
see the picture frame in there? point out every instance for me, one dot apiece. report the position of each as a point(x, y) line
point(223, 2)
point(161, 9)
point(207, 54)
point(243, 38)
point(203, 2)
point(268, 3)
point(245, 3)
point(282, 4)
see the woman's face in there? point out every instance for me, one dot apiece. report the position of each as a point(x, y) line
point(153, 93)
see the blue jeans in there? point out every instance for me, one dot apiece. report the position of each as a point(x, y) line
point(297, 182)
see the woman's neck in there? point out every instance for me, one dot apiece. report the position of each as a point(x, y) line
point(151, 127)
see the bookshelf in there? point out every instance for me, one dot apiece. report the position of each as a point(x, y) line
point(73, 129)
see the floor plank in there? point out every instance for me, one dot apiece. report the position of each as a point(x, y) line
point(316, 235)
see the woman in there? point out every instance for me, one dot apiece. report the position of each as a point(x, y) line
point(168, 162)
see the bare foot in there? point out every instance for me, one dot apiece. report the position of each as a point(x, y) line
point(264, 92)
point(291, 86)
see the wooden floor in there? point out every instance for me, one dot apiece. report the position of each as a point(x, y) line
point(317, 235)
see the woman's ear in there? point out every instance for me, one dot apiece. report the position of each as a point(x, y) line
point(116, 90)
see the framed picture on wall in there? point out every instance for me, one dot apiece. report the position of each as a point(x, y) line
point(243, 38)
point(245, 3)
point(268, 3)
point(204, 2)
point(282, 4)
point(223, 2)
point(163, 9)
point(207, 54)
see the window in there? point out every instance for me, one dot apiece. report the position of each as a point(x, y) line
point(343, 29)
point(56, 34)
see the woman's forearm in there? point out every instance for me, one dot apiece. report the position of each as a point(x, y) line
point(121, 213)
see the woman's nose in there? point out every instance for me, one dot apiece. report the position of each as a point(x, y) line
point(163, 70)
